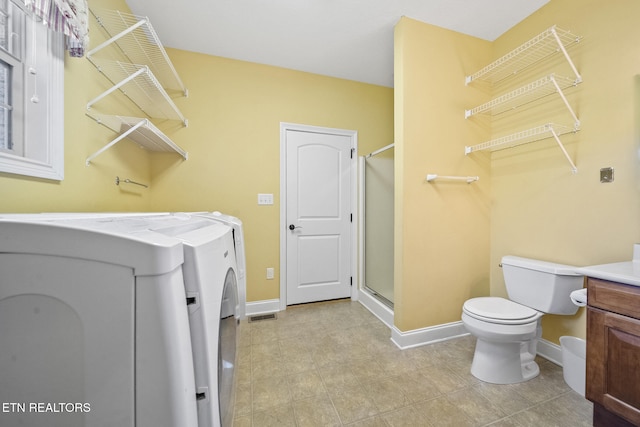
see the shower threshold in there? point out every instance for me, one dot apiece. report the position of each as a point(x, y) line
point(379, 297)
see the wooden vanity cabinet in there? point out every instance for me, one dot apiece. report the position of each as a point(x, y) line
point(613, 353)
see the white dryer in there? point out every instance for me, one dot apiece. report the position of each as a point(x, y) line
point(211, 292)
point(241, 260)
point(118, 320)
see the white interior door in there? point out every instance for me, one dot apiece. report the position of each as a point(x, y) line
point(318, 212)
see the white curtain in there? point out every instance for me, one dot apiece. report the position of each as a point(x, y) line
point(65, 16)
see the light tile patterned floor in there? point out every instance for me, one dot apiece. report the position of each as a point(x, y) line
point(333, 364)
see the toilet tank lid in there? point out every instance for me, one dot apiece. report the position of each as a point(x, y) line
point(538, 265)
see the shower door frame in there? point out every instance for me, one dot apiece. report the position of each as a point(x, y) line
point(364, 294)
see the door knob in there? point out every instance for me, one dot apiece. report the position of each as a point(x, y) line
point(293, 227)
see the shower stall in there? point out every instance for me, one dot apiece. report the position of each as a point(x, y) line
point(376, 232)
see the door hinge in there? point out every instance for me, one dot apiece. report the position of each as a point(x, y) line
point(352, 151)
point(351, 217)
point(351, 281)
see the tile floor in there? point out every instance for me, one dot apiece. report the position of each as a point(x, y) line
point(333, 364)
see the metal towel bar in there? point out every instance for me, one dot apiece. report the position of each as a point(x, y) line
point(128, 181)
point(469, 179)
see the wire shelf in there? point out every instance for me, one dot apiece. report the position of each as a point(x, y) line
point(538, 48)
point(138, 41)
point(139, 84)
point(531, 92)
point(523, 137)
point(139, 130)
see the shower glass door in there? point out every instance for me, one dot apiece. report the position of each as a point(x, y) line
point(378, 224)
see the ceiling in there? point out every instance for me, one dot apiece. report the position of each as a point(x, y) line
point(349, 39)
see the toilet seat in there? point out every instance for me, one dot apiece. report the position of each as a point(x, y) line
point(500, 310)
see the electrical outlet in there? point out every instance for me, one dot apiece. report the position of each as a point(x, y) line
point(265, 199)
point(606, 175)
point(270, 273)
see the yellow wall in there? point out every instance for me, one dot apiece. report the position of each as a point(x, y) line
point(441, 229)
point(84, 188)
point(234, 110)
point(233, 139)
point(536, 207)
point(539, 209)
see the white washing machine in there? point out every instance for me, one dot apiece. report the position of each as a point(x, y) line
point(235, 223)
point(116, 320)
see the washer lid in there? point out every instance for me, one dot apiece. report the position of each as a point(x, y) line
point(499, 309)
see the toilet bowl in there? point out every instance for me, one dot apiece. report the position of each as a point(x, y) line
point(507, 330)
point(506, 339)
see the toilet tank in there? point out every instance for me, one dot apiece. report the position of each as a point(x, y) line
point(541, 285)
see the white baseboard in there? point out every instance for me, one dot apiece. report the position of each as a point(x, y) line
point(550, 351)
point(418, 337)
point(253, 308)
point(432, 334)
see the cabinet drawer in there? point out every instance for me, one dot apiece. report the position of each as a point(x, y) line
point(615, 297)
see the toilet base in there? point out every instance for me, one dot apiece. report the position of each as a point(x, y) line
point(504, 363)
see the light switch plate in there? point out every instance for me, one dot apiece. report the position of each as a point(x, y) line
point(606, 175)
point(265, 199)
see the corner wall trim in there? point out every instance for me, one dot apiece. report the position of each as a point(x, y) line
point(430, 335)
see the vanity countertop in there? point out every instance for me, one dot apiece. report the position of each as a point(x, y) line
point(623, 272)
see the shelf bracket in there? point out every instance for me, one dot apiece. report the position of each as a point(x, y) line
point(574, 169)
point(576, 121)
point(115, 141)
point(566, 55)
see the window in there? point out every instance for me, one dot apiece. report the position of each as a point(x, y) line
point(31, 95)
point(11, 77)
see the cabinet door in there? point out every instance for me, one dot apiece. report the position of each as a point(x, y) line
point(613, 354)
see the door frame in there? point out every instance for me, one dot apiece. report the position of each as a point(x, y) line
point(353, 134)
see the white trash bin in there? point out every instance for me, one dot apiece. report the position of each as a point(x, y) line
point(574, 362)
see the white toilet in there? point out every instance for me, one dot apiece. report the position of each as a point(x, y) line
point(507, 331)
